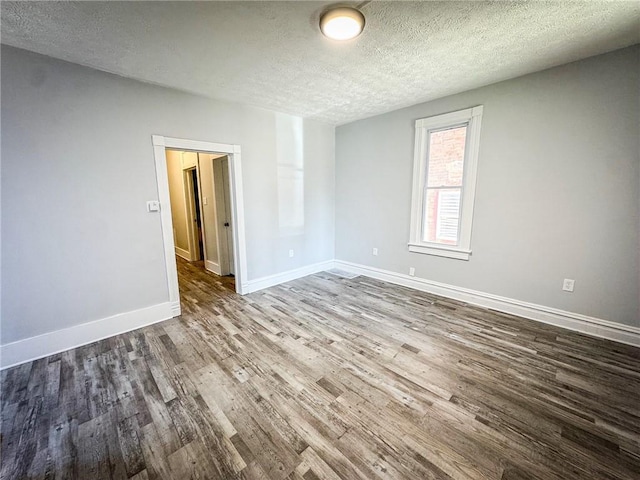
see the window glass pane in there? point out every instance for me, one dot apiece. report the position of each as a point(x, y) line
point(442, 216)
point(446, 157)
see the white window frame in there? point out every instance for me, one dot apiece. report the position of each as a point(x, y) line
point(472, 119)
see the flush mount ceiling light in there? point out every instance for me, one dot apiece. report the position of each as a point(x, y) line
point(342, 23)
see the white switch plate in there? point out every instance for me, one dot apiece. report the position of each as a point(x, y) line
point(412, 272)
point(204, 200)
point(568, 284)
point(375, 251)
point(290, 253)
point(153, 206)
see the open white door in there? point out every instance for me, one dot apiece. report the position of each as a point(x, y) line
point(227, 210)
point(224, 215)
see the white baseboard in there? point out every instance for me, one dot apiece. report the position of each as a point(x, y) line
point(560, 318)
point(182, 253)
point(212, 267)
point(271, 280)
point(176, 310)
point(60, 340)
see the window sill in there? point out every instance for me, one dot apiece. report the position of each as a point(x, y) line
point(440, 251)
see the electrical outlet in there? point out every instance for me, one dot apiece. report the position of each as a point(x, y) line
point(412, 272)
point(568, 284)
point(290, 253)
point(375, 251)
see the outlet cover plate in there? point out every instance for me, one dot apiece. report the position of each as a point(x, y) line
point(568, 284)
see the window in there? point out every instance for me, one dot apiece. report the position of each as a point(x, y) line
point(444, 180)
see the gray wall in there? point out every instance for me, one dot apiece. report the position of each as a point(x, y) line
point(78, 168)
point(557, 191)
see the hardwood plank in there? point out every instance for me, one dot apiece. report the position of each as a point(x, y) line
point(93, 452)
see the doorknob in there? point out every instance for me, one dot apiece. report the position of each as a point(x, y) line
point(226, 224)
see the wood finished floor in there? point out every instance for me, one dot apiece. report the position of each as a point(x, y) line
point(326, 378)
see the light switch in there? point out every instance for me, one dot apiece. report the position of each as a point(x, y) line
point(153, 206)
point(204, 200)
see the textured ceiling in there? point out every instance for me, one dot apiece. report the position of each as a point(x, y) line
point(271, 54)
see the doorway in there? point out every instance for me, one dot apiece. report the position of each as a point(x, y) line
point(200, 197)
point(209, 206)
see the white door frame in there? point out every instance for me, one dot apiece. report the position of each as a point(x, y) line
point(160, 144)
